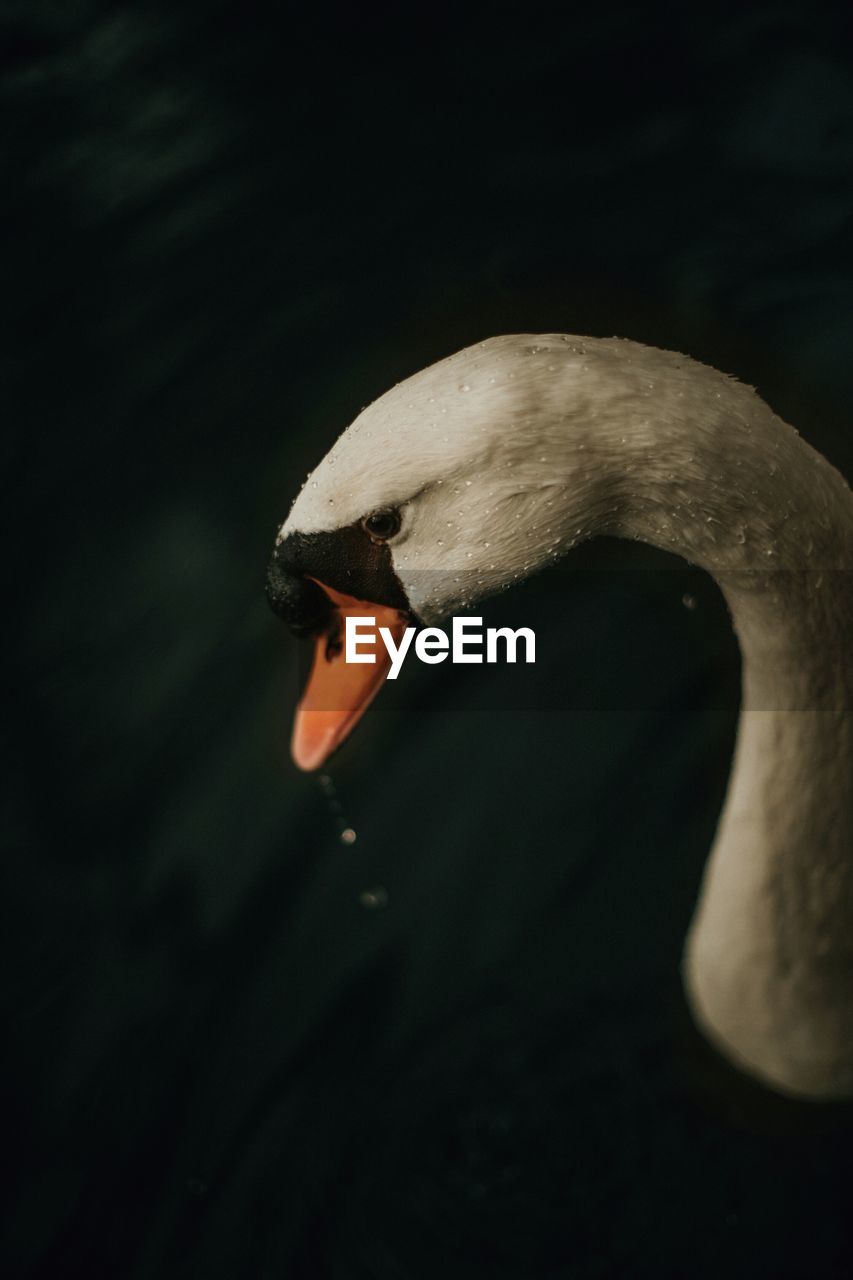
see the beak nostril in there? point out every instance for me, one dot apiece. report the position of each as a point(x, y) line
point(296, 600)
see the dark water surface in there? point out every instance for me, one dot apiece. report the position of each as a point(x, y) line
point(236, 1046)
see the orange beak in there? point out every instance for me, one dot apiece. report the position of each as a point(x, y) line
point(339, 692)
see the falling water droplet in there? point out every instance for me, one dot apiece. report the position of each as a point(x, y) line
point(371, 899)
point(346, 833)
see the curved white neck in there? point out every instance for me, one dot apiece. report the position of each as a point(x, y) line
point(769, 959)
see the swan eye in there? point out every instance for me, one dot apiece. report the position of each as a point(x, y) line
point(382, 525)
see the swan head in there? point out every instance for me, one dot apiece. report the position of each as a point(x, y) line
point(463, 475)
point(459, 481)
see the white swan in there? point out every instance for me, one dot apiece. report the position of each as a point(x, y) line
point(485, 466)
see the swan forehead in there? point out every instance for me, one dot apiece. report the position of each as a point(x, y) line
point(447, 419)
point(455, 417)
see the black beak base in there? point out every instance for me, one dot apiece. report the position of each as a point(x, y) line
point(296, 600)
point(345, 559)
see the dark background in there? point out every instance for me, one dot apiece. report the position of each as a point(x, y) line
point(227, 229)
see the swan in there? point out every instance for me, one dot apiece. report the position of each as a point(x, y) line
point(482, 468)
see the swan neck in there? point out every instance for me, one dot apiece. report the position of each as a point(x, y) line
point(769, 961)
